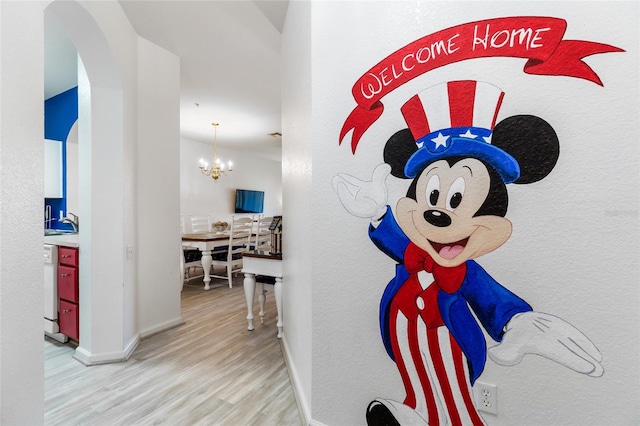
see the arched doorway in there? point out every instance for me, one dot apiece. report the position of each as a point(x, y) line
point(101, 177)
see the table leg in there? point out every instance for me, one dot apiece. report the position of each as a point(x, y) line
point(249, 291)
point(277, 290)
point(206, 266)
point(262, 300)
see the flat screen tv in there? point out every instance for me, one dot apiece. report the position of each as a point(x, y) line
point(249, 201)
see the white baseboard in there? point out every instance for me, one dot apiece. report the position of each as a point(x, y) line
point(131, 346)
point(88, 358)
point(303, 407)
point(161, 327)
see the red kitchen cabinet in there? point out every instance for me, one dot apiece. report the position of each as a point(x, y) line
point(68, 283)
point(68, 292)
point(68, 256)
point(68, 319)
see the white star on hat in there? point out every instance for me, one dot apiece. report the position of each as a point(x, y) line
point(469, 135)
point(440, 140)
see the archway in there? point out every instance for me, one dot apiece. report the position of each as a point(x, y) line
point(101, 177)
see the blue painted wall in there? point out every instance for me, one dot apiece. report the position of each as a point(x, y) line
point(60, 113)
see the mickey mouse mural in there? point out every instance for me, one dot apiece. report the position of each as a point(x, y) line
point(460, 161)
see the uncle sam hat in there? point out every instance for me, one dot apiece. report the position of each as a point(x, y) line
point(457, 119)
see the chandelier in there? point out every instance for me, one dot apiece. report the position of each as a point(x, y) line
point(217, 168)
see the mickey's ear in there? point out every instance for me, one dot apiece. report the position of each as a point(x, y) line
point(397, 151)
point(532, 142)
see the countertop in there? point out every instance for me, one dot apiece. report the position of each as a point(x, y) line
point(68, 240)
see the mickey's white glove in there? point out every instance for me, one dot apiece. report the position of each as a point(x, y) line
point(548, 336)
point(367, 199)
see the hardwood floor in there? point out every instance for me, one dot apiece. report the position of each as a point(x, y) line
point(209, 371)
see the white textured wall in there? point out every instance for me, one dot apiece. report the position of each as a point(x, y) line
point(303, 232)
point(21, 212)
point(157, 188)
point(574, 249)
point(201, 195)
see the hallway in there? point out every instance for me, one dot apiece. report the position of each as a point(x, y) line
point(209, 371)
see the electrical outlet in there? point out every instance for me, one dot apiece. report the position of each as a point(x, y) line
point(129, 252)
point(486, 397)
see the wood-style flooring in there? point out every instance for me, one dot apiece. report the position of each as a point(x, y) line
point(209, 371)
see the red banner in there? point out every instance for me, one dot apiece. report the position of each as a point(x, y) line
point(537, 39)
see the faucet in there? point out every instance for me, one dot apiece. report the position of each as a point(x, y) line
point(73, 221)
point(47, 216)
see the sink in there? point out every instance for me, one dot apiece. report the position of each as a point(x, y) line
point(48, 232)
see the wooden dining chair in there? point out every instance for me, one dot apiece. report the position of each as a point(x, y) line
point(239, 243)
point(191, 256)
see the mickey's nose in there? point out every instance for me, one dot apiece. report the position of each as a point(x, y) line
point(437, 218)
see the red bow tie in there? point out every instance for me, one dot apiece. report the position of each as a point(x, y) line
point(448, 279)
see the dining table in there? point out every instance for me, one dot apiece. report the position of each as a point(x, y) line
point(206, 242)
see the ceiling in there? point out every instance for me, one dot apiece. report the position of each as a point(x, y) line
point(230, 66)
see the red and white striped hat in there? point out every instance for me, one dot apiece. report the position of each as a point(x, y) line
point(457, 119)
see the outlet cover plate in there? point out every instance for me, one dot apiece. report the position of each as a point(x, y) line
point(486, 396)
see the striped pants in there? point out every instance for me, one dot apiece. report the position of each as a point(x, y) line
point(434, 371)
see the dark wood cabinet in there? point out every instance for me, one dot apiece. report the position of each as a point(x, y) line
point(68, 292)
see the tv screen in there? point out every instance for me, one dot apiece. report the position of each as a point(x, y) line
point(248, 201)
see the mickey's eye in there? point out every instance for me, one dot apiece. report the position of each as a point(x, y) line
point(454, 197)
point(433, 190)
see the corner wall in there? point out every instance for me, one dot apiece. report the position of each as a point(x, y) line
point(114, 128)
point(303, 234)
point(105, 128)
point(157, 187)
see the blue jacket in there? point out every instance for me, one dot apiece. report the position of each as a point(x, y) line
point(493, 304)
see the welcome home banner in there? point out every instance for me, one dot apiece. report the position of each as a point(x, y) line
point(537, 39)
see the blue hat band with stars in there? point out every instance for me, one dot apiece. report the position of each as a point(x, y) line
point(471, 142)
